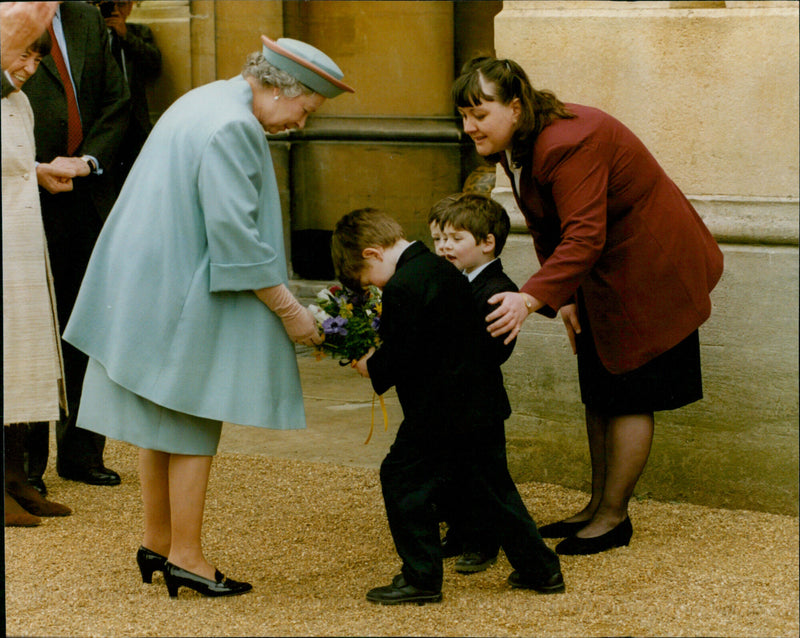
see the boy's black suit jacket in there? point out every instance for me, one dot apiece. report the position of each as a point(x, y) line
point(432, 351)
point(489, 282)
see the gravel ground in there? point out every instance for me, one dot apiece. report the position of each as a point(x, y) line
point(312, 538)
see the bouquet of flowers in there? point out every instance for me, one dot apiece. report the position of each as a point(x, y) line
point(349, 320)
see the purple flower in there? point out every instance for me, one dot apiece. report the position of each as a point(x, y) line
point(376, 323)
point(335, 326)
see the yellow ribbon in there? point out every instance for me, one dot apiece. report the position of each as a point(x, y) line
point(372, 421)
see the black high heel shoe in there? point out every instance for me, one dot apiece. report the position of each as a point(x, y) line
point(149, 562)
point(617, 537)
point(561, 529)
point(176, 577)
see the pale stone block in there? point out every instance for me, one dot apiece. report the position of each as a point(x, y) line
point(712, 92)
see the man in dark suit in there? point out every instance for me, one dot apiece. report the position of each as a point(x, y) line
point(134, 48)
point(81, 108)
point(432, 352)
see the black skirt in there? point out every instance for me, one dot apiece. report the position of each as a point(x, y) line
point(669, 381)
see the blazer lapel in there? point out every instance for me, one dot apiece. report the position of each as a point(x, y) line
point(49, 65)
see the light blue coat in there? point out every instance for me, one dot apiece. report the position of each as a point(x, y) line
point(166, 305)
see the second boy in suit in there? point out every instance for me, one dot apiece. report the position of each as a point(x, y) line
point(474, 229)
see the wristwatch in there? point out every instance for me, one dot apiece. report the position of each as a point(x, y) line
point(90, 162)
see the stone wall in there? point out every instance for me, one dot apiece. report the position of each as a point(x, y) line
point(711, 88)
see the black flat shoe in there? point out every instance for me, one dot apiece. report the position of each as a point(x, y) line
point(552, 585)
point(176, 577)
point(617, 537)
point(90, 475)
point(473, 562)
point(149, 562)
point(562, 529)
point(401, 592)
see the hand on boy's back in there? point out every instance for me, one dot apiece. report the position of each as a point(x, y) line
point(361, 364)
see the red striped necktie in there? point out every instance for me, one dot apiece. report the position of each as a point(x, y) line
point(74, 129)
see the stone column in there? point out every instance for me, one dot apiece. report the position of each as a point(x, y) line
point(394, 144)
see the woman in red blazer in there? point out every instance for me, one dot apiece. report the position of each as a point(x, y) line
point(624, 257)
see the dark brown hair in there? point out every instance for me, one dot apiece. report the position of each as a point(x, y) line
point(360, 229)
point(42, 44)
point(480, 216)
point(439, 208)
point(539, 108)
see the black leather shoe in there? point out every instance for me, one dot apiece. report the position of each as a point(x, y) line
point(452, 545)
point(149, 562)
point(401, 592)
point(37, 483)
point(90, 475)
point(473, 562)
point(617, 537)
point(562, 529)
point(176, 577)
point(553, 585)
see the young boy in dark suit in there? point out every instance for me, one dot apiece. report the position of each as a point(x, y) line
point(432, 352)
point(474, 229)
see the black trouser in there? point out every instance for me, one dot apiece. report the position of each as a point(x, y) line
point(467, 527)
point(415, 469)
point(72, 225)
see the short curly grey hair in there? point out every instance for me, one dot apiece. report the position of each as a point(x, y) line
point(269, 75)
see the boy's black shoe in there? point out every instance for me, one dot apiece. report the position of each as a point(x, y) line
point(401, 592)
point(452, 545)
point(552, 585)
point(473, 562)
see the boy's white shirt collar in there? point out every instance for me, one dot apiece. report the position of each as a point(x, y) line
point(471, 275)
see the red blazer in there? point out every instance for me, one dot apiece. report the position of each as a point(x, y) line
point(607, 219)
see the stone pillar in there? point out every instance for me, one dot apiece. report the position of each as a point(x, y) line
point(394, 144)
point(711, 88)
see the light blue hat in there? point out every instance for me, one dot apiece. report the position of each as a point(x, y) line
point(306, 64)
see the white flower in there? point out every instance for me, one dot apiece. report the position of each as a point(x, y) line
point(325, 295)
point(319, 314)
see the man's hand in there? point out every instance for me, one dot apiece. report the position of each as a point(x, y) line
point(117, 23)
point(55, 178)
point(79, 167)
point(20, 24)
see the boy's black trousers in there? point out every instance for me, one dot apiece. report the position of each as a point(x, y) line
point(415, 469)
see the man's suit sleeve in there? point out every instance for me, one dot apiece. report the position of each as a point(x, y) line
point(107, 131)
point(140, 44)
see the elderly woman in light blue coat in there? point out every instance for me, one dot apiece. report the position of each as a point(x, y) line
point(184, 310)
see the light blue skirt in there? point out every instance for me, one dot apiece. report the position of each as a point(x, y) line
point(109, 409)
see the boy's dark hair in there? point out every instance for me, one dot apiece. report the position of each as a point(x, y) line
point(42, 44)
point(360, 229)
point(480, 216)
point(439, 208)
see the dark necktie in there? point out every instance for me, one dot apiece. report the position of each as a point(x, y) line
point(74, 129)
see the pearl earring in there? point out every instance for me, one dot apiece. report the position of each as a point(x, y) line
point(276, 97)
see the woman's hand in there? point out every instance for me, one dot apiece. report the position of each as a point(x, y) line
point(569, 315)
point(511, 312)
point(298, 321)
point(361, 365)
point(302, 328)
